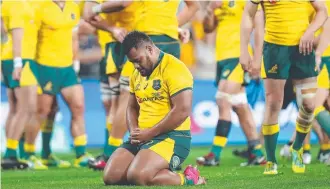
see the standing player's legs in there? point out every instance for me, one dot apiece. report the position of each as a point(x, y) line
point(229, 79)
point(275, 71)
point(12, 109)
point(45, 102)
point(270, 127)
point(47, 129)
point(119, 123)
point(303, 73)
point(73, 95)
point(25, 93)
point(112, 64)
point(243, 111)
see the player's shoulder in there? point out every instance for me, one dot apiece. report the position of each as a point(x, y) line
point(174, 65)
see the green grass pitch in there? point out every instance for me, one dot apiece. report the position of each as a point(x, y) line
point(227, 175)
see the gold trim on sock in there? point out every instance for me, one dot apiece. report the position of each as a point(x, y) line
point(12, 144)
point(80, 140)
point(220, 141)
point(182, 178)
point(115, 141)
point(307, 147)
point(30, 148)
point(303, 128)
point(270, 129)
point(325, 146)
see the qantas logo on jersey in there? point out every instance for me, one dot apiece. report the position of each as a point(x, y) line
point(155, 97)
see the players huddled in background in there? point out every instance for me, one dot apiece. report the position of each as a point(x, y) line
point(39, 54)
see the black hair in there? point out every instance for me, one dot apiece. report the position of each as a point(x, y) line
point(134, 39)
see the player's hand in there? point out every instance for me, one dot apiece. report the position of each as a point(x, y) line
point(255, 69)
point(140, 136)
point(318, 61)
point(118, 33)
point(17, 73)
point(245, 61)
point(306, 43)
point(184, 35)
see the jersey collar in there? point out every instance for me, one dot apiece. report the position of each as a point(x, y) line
point(160, 58)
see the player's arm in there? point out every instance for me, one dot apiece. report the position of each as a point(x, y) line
point(259, 32)
point(321, 14)
point(110, 6)
point(75, 49)
point(132, 112)
point(16, 27)
point(181, 109)
point(188, 12)
point(247, 22)
point(86, 28)
point(210, 21)
point(324, 39)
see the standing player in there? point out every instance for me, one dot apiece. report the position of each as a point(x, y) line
point(288, 52)
point(158, 20)
point(19, 70)
point(225, 17)
point(158, 119)
point(57, 48)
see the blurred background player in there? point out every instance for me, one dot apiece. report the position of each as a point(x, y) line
point(225, 17)
point(162, 26)
point(20, 74)
point(278, 66)
point(59, 20)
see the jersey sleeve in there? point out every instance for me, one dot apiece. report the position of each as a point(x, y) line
point(16, 18)
point(178, 78)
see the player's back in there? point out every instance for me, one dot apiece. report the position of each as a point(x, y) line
point(159, 18)
point(286, 21)
point(228, 30)
point(55, 34)
point(24, 18)
point(153, 93)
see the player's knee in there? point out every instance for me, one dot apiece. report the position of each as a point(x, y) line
point(274, 101)
point(78, 108)
point(308, 106)
point(139, 177)
point(44, 111)
point(112, 176)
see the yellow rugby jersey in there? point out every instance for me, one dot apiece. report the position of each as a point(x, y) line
point(286, 21)
point(55, 34)
point(24, 18)
point(153, 94)
point(229, 17)
point(159, 18)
